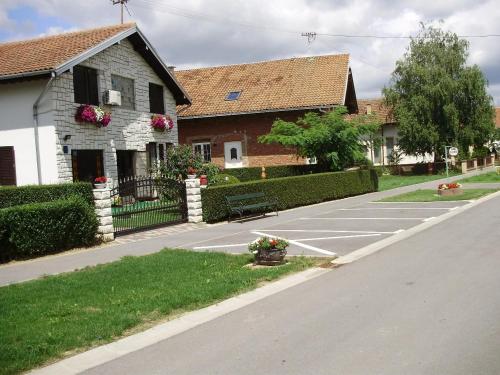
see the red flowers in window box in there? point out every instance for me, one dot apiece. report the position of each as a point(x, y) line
point(93, 115)
point(161, 122)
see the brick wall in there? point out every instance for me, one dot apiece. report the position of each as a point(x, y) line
point(244, 128)
point(128, 130)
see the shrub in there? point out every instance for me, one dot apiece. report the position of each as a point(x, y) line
point(224, 179)
point(14, 196)
point(39, 228)
point(210, 170)
point(292, 191)
point(254, 173)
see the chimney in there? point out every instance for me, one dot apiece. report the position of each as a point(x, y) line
point(171, 69)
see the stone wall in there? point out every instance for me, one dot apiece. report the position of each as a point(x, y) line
point(128, 130)
point(102, 202)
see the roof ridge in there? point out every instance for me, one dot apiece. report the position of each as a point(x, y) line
point(263, 62)
point(123, 26)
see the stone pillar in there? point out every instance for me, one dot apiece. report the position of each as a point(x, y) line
point(464, 166)
point(193, 197)
point(102, 202)
point(475, 163)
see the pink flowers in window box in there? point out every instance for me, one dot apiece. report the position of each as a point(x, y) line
point(161, 122)
point(93, 115)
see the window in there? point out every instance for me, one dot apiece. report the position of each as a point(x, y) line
point(85, 85)
point(151, 151)
point(204, 150)
point(126, 87)
point(233, 95)
point(161, 152)
point(156, 101)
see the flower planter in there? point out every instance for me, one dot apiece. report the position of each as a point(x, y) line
point(100, 186)
point(270, 257)
point(448, 192)
point(191, 176)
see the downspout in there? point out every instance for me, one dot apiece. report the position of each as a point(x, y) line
point(35, 125)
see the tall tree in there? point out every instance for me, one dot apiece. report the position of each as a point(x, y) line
point(437, 98)
point(330, 137)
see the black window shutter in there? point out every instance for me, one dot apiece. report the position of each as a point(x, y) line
point(79, 86)
point(93, 91)
point(156, 103)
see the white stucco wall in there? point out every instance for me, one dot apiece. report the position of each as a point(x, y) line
point(17, 129)
point(129, 129)
point(391, 131)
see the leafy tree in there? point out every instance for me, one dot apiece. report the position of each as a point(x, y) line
point(330, 137)
point(437, 98)
point(177, 161)
point(369, 126)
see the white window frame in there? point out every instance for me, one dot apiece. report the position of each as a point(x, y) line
point(202, 150)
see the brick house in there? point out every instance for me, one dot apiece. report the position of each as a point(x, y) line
point(388, 133)
point(42, 83)
point(233, 105)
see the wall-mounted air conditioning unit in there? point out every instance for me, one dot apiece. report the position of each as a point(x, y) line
point(112, 97)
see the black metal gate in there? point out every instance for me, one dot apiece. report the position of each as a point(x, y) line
point(140, 203)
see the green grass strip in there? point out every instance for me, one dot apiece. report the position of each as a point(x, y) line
point(395, 181)
point(41, 320)
point(487, 177)
point(432, 196)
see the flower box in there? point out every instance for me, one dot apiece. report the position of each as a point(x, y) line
point(93, 115)
point(161, 123)
point(453, 188)
point(269, 251)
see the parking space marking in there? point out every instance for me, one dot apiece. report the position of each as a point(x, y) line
point(338, 237)
point(362, 218)
point(381, 202)
point(328, 231)
point(396, 208)
point(429, 218)
point(219, 246)
point(308, 247)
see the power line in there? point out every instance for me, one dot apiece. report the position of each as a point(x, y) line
point(311, 35)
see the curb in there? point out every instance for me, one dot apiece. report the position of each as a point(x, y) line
point(109, 352)
point(377, 246)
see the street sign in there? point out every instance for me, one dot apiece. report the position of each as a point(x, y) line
point(453, 151)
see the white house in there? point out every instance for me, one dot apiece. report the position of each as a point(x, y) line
point(388, 133)
point(44, 81)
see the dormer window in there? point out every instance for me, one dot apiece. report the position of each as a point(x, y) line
point(233, 95)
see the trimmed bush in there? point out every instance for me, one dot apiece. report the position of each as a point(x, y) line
point(40, 228)
point(253, 173)
point(224, 179)
point(15, 196)
point(291, 191)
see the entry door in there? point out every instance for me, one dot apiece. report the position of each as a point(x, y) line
point(232, 155)
point(125, 163)
point(7, 166)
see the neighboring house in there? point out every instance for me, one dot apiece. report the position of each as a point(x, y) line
point(388, 134)
point(42, 83)
point(234, 105)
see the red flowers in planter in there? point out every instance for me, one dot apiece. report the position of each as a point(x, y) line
point(453, 185)
point(92, 115)
point(161, 122)
point(100, 180)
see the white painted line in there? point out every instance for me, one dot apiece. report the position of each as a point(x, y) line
point(362, 218)
point(220, 246)
point(338, 237)
point(394, 208)
point(399, 231)
point(428, 219)
point(298, 244)
point(325, 231)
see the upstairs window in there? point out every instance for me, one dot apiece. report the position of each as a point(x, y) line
point(233, 95)
point(85, 85)
point(126, 87)
point(156, 101)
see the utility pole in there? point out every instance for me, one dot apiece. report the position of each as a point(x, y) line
point(122, 5)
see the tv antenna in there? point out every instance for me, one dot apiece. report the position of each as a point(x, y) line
point(311, 37)
point(123, 4)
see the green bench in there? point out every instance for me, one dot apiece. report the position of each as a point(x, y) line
point(250, 203)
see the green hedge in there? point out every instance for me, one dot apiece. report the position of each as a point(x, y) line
point(292, 191)
point(40, 228)
point(14, 195)
point(253, 173)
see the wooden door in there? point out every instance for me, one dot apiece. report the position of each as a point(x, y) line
point(7, 166)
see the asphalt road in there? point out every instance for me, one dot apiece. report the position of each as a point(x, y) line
point(426, 305)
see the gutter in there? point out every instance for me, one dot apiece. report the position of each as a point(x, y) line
point(35, 126)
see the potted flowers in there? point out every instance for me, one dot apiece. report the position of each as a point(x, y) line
point(453, 188)
point(100, 182)
point(268, 251)
point(191, 173)
point(161, 122)
point(93, 115)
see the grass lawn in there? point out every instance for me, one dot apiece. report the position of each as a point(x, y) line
point(432, 196)
point(45, 319)
point(487, 177)
point(392, 182)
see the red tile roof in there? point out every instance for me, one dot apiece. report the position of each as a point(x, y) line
point(307, 82)
point(47, 53)
point(377, 108)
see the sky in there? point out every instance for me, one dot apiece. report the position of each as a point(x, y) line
point(200, 33)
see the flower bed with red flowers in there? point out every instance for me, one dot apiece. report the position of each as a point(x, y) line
point(161, 122)
point(453, 185)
